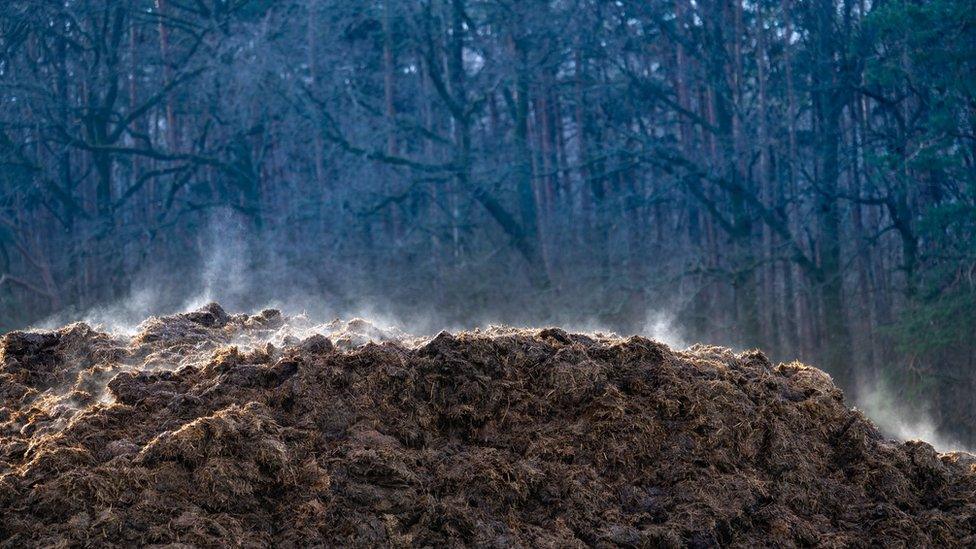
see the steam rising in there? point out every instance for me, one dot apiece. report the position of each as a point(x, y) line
point(661, 326)
point(897, 420)
point(240, 277)
point(227, 255)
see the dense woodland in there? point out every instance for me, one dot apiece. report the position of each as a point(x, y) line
point(793, 175)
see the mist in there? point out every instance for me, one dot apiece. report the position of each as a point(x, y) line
point(888, 411)
point(241, 275)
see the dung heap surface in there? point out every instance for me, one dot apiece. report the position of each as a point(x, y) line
point(209, 429)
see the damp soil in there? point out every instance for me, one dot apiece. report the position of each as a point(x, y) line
point(209, 429)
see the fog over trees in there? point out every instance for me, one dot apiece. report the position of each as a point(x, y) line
point(798, 176)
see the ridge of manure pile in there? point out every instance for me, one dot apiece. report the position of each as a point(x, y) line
point(210, 429)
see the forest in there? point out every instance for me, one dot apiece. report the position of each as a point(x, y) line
point(792, 175)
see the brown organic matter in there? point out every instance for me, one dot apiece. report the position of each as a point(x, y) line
point(208, 429)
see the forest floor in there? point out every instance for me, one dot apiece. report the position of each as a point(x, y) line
point(210, 429)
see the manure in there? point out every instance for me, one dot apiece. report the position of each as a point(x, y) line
point(210, 429)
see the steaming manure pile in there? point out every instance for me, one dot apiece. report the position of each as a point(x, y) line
point(208, 429)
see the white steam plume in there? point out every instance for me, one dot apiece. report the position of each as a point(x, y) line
point(896, 419)
point(661, 326)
